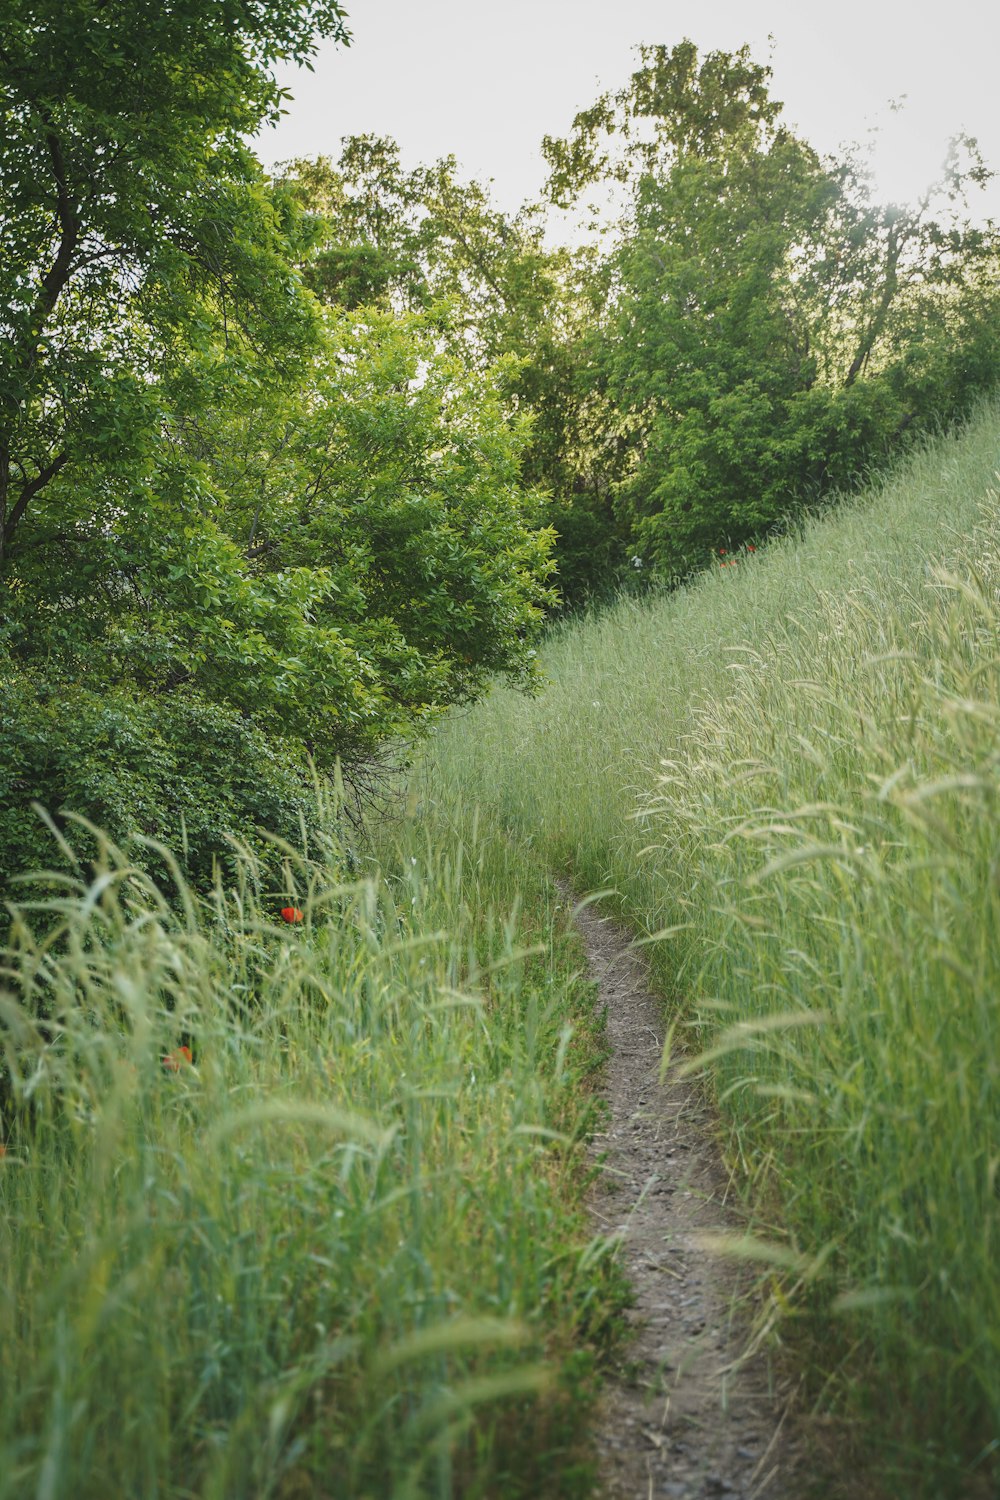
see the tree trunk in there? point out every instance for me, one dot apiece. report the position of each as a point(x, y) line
point(4, 493)
point(875, 327)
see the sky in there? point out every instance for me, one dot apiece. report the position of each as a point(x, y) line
point(484, 81)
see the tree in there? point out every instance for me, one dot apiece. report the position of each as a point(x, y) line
point(674, 107)
point(302, 530)
point(710, 347)
point(425, 240)
point(769, 330)
point(131, 210)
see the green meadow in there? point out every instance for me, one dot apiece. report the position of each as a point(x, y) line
point(336, 1246)
point(384, 568)
point(787, 775)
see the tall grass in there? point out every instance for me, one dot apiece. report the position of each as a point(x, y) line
point(340, 1251)
point(793, 768)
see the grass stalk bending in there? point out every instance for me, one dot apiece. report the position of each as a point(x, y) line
point(293, 1208)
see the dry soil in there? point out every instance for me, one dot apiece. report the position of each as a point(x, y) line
point(689, 1414)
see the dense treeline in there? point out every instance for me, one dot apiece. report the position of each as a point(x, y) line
point(289, 466)
point(769, 331)
point(755, 331)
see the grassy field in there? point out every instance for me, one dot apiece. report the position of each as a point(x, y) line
point(336, 1246)
point(789, 771)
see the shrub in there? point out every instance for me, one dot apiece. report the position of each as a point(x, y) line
point(175, 768)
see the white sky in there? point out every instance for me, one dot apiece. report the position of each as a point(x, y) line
point(486, 79)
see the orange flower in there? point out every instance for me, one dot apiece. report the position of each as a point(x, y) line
point(291, 914)
point(174, 1061)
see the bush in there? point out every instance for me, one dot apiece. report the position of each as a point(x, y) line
point(175, 768)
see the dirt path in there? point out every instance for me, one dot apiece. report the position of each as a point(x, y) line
point(686, 1417)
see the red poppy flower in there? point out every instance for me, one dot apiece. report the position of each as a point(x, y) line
point(291, 914)
point(174, 1061)
point(751, 547)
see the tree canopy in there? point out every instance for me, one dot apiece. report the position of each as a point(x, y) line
point(769, 330)
point(303, 523)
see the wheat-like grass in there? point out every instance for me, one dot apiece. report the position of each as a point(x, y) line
point(793, 767)
point(333, 1247)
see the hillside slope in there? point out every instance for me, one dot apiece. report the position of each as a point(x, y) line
point(792, 765)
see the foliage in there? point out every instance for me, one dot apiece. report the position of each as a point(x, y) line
point(212, 491)
point(675, 107)
point(393, 482)
point(417, 239)
point(173, 767)
point(426, 240)
point(770, 330)
point(704, 349)
point(133, 216)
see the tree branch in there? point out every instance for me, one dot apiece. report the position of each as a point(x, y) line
point(29, 491)
point(24, 358)
point(875, 327)
point(61, 268)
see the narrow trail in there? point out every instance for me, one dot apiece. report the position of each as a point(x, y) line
point(687, 1416)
